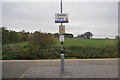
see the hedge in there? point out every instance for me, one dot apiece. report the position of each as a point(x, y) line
point(28, 52)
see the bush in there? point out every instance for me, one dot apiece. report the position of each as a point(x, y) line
point(31, 52)
point(84, 52)
point(42, 40)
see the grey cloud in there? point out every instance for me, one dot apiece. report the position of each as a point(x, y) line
point(83, 16)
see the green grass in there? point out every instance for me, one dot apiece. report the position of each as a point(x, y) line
point(71, 58)
point(77, 42)
point(16, 44)
point(88, 42)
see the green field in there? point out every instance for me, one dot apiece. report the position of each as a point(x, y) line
point(16, 44)
point(77, 42)
point(88, 42)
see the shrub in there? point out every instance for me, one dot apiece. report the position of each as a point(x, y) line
point(32, 52)
point(42, 40)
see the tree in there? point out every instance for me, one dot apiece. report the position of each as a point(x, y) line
point(117, 37)
point(119, 46)
point(5, 35)
point(41, 40)
point(56, 34)
point(82, 36)
point(13, 36)
point(24, 35)
point(9, 36)
point(88, 35)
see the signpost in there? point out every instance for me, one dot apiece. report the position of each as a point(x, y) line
point(61, 18)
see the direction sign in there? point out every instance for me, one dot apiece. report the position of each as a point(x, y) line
point(61, 17)
point(62, 29)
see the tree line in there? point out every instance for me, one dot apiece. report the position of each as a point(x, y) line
point(36, 39)
point(9, 36)
point(40, 46)
point(86, 35)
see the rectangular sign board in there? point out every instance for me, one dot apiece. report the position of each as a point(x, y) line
point(62, 29)
point(61, 38)
point(61, 17)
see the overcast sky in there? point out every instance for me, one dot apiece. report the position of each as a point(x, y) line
point(101, 18)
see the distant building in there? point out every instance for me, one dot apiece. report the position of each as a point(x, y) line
point(66, 35)
point(106, 38)
point(80, 36)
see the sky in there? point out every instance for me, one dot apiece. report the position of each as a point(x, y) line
point(100, 18)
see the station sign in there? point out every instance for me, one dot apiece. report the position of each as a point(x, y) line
point(61, 17)
point(62, 29)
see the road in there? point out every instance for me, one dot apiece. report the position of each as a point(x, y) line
point(75, 68)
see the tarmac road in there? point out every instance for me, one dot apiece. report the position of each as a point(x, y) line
point(74, 68)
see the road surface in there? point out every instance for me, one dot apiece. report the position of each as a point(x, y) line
point(74, 68)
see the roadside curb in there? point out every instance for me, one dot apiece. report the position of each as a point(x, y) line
point(53, 60)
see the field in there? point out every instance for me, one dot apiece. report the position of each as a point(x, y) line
point(16, 44)
point(88, 42)
point(77, 42)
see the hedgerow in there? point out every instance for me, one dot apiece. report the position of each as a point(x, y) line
point(31, 52)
